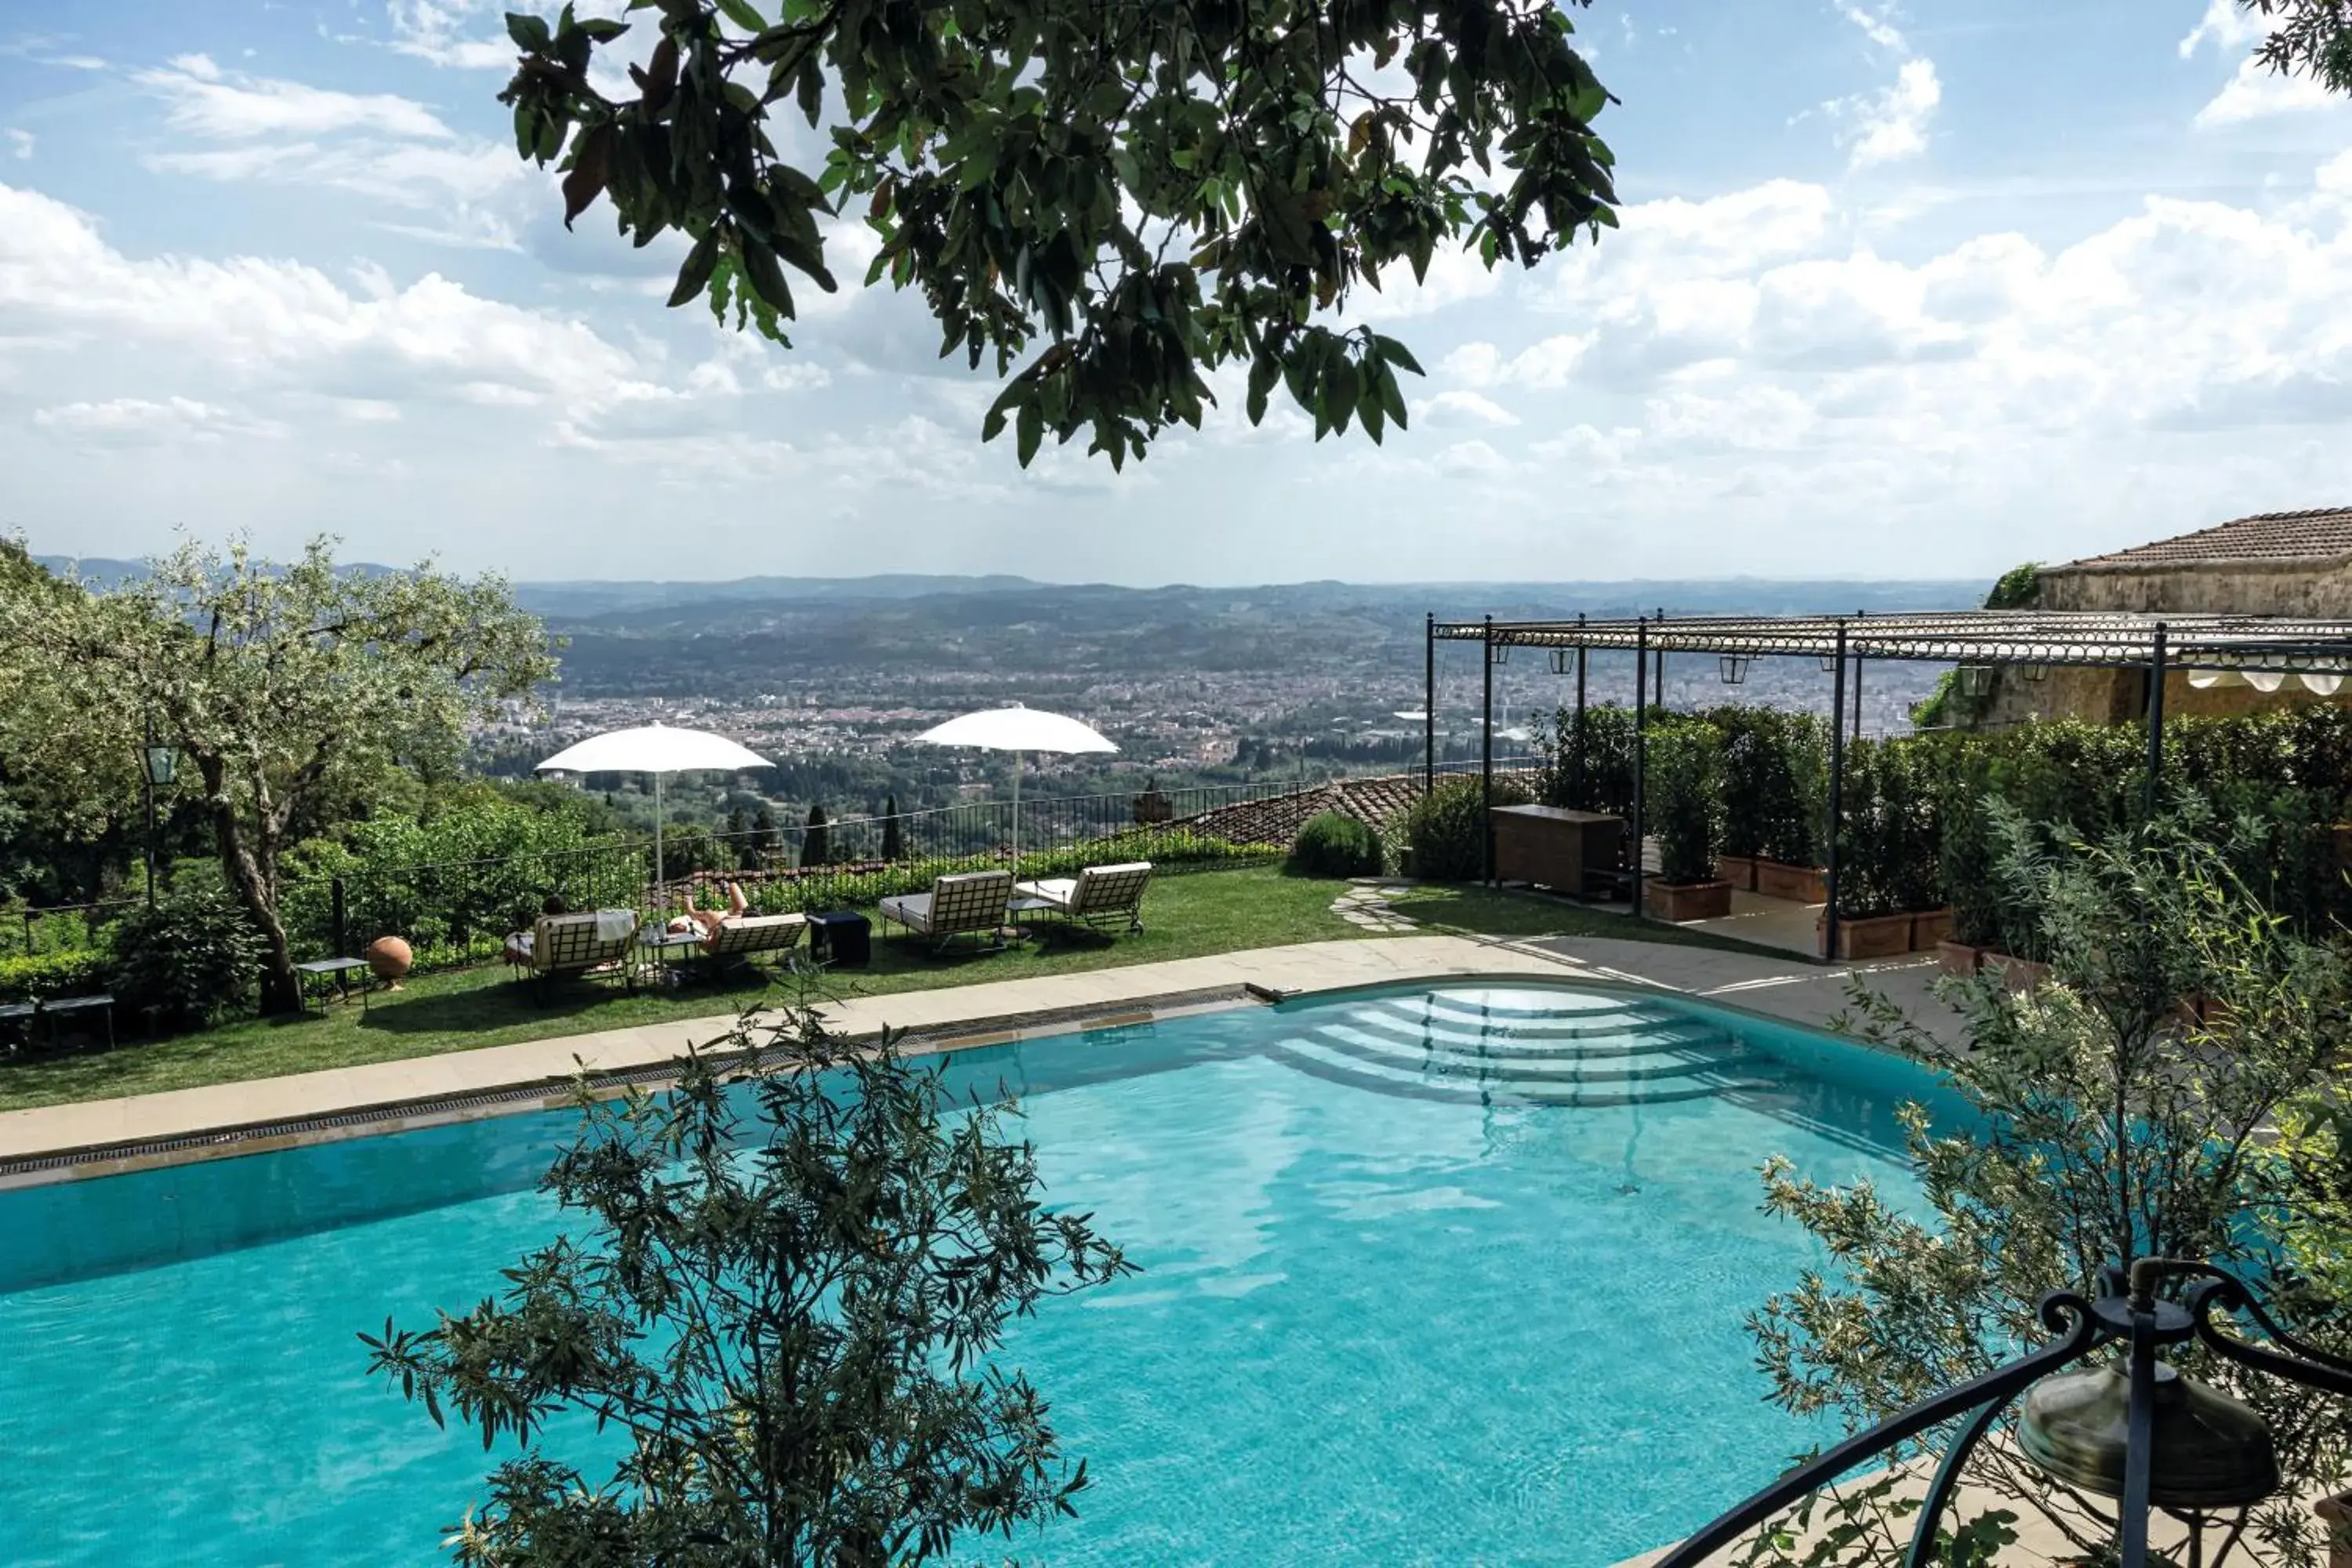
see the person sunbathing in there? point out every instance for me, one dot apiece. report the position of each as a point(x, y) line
point(518, 943)
point(710, 922)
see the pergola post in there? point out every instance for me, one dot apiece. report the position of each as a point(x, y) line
point(1837, 800)
point(1579, 773)
point(2156, 666)
point(1429, 704)
point(1641, 747)
point(1487, 760)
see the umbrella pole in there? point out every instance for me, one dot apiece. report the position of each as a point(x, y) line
point(1016, 816)
point(658, 879)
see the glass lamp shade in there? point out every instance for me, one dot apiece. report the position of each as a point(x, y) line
point(1975, 679)
point(1498, 653)
point(2207, 1451)
point(163, 764)
point(1563, 660)
point(1735, 667)
point(1829, 664)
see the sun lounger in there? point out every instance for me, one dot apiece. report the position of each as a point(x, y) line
point(1099, 896)
point(745, 937)
point(586, 942)
point(967, 903)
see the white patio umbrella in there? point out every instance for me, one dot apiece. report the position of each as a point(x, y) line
point(654, 748)
point(1018, 730)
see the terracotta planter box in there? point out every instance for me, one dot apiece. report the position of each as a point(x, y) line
point(1740, 870)
point(1958, 957)
point(1679, 901)
point(1873, 936)
point(1930, 929)
point(1806, 884)
point(2022, 975)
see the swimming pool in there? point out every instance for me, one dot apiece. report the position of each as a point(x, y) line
point(1441, 1275)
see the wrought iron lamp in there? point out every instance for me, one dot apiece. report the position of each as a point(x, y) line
point(160, 765)
point(1829, 664)
point(1498, 653)
point(1974, 680)
point(1563, 660)
point(1735, 667)
point(2034, 673)
point(2135, 1430)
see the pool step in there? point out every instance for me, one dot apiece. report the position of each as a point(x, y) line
point(1585, 1050)
point(1356, 1075)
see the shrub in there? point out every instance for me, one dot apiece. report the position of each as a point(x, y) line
point(1446, 832)
point(1683, 785)
point(36, 977)
point(194, 957)
point(1598, 775)
point(1336, 845)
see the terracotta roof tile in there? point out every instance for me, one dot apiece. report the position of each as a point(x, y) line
point(1379, 802)
point(2320, 535)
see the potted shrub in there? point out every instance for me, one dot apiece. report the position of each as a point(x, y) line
point(1684, 789)
point(1873, 855)
point(1791, 778)
point(1151, 807)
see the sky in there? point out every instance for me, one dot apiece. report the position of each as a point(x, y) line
point(1918, 290)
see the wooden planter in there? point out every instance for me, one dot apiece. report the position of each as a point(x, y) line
point(1958, 957)
point(1873, 936)
point(1805, 884)
point(1740, 870)
point(1930, 929)
point(1679, 901)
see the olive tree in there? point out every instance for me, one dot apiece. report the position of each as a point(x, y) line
point(1112, 198)
point(2112, 1126)
point(791, 1278)
point(2308, 37)
point(280, 686)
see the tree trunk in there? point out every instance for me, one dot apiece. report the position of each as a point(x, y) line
point(282, 988)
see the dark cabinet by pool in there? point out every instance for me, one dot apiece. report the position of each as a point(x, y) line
point(1567, 851)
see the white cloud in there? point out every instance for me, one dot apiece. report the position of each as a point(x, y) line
point(224, 106)
point(20, 143)
point(2226, 25)
point(2254, 92)
point(1470, 458)
point(451, 33)
point(1458, 404)
point(1890, 123)
point(278, 322)
point(1546, 363)
point(128, 421)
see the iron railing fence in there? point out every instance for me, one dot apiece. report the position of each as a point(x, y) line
point(27, 930)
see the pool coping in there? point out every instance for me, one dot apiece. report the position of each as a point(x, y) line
point(1262, 976)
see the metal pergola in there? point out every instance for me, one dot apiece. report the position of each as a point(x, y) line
point(2032, 639)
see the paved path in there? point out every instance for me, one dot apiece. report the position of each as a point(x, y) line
point(963, 1009)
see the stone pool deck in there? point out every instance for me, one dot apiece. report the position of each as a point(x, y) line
point(94, 1137)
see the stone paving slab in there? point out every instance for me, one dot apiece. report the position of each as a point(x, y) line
point(51, 1131)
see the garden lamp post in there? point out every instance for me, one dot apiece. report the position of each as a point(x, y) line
point(158, 766)
point(2134, 1429)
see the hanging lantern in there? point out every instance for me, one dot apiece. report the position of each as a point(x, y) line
point(1735, 667)
point(1563, 659)
point(1974, 680)
point(2034, 673)
point(1498, 653)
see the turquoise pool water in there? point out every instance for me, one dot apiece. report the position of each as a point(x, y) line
point(1452, 1275)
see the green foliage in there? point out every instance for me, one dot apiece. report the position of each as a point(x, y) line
point(1170, 850)
point(1150, 201)
point(1684, 798)
point(291, 693)
point(2019, 588)
point(36, 977)
point(1336, 845)
point(796, 1349)
point(2313, 38)
point(1887, 852)
point(894, 832)
point(1598, 774)
point(2099, 1131)
point(478, 865)
point(1775, 783)
point(1446, 831)
point(816, 844)
point(194, 957)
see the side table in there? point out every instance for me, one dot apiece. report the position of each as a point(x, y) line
point(841, 937)
point(336, 969)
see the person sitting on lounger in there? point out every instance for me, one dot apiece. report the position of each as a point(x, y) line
point(518, 943)
point(710, 922)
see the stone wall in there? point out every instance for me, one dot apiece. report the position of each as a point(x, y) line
point(2321, 590)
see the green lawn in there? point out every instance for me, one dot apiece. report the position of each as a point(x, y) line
point(1186, 917)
